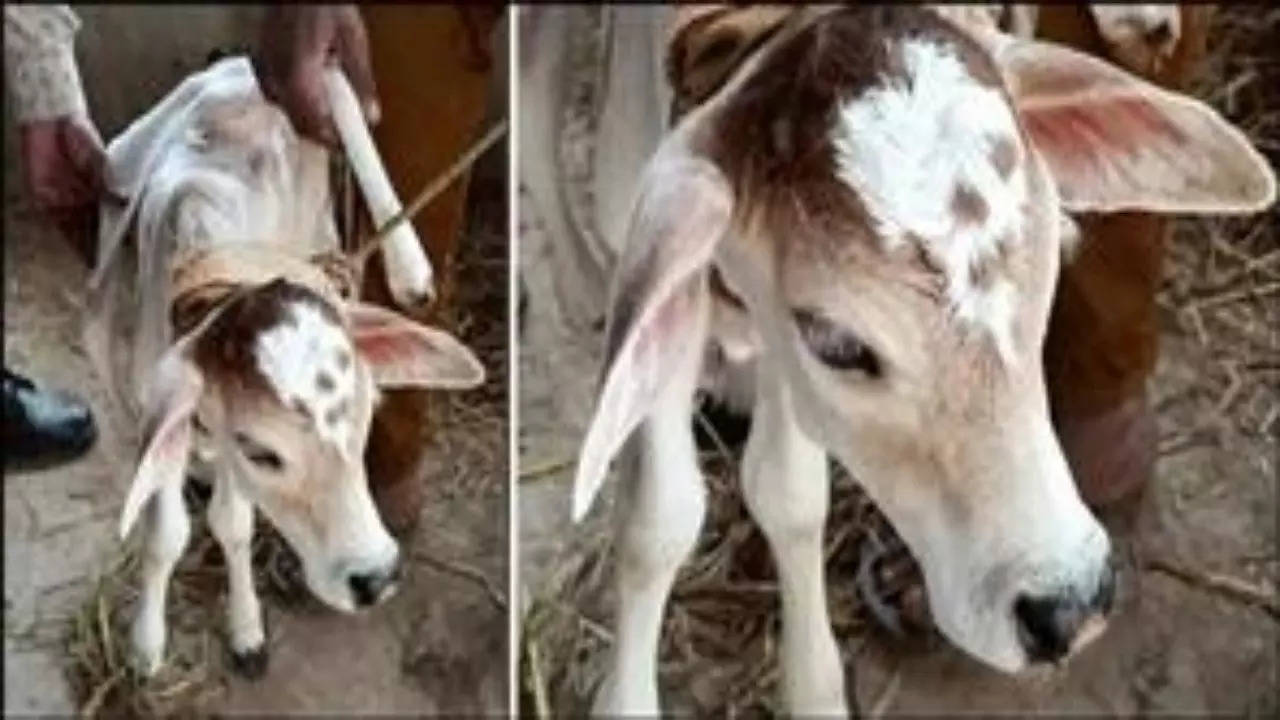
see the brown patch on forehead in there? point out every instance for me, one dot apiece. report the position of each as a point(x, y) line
point(968, 205)
point(1004, 156)
point(301, 408)
point(772, 139)
point(226, 349)
point(325, 382)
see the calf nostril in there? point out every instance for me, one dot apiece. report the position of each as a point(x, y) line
point(1046, 626)
point(367, 587)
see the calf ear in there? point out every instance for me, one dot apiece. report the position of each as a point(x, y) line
point(171, 400)
point(404, 354)
point(1115, 142)
point(659, 287)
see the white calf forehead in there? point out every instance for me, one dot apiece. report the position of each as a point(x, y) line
point(914, 147)
point(309, 363)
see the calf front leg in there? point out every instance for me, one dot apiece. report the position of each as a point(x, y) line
point(660, 507)
point(168, 529)
point(231, 522)
point(787, 491)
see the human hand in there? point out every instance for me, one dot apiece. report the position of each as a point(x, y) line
point(63, 167)
point(296, 44)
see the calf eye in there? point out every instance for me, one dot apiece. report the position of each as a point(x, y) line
point(835, 346)
point(266, 459)
point(258, 454)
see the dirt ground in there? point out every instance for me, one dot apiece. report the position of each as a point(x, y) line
point(438, 646)
point(1197, 626)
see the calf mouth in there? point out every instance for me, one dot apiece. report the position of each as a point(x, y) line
point(373, 588)
point(369, 588)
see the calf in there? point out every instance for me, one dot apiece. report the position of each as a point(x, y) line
point(869, 210)
point(269, 370)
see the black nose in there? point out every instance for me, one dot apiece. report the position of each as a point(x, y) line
point(1047, 625)
point(369, 588)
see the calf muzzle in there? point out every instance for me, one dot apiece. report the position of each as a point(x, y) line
point(1051, 626)
point(371, 588)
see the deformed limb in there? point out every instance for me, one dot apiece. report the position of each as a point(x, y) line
point(660, 507)
point(231, 522)
point(787, 490)
point(167, 531)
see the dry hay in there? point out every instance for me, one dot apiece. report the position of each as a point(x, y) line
point(471, 448)
point(718, 653)
point(196, 660)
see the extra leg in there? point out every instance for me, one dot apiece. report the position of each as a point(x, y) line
point(168, 529)
point(231, 521)
point(660, 513)
point(660, 507)
point(787, 490)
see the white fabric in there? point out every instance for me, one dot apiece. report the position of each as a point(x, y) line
point(212, 162)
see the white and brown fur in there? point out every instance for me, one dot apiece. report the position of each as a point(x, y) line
point(933, 304)
point(272, 385)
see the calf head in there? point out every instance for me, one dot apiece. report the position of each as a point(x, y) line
point(280, 383)
point(881, 191)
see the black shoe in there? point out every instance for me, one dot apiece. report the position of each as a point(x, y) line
point(42, 428)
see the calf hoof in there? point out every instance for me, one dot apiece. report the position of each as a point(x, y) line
point(146, 646)
point(250, 664)
point(145, 663)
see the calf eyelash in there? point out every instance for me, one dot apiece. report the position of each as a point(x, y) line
point(259, 455)
point(835, 346)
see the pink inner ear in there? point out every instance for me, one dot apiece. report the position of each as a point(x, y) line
point(380, 336)
point(402, 353)
point(382, 346)
point(172, 445)
point(1115, 142)
point(643, 366)
point(1088, 135)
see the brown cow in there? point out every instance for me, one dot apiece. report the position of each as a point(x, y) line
point(427, 121)
point(1101, 347)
